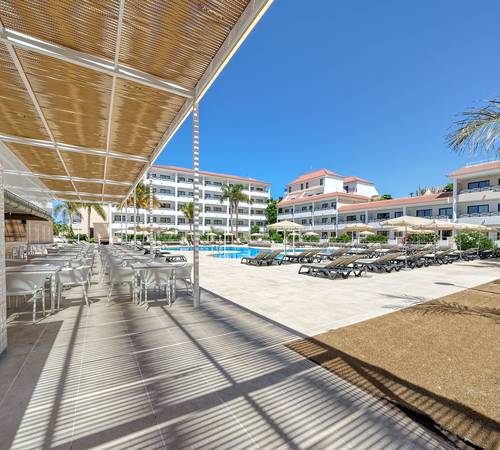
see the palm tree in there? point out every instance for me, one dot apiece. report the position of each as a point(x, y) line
point(188, 211)
point(93, 207)
point(142, 196)
point(68, 211)
point(235, 195)
point(478, 129)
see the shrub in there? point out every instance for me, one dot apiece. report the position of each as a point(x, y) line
point(342, 238)
point(421, 238)
point(168, 237)
point(276, 237)
point(470, 239)
point(381, 238)
point(310, 238)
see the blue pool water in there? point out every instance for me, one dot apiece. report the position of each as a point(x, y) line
point(232, 252)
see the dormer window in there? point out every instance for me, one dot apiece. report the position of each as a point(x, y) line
point(302, 186)
point(321, 182)
point(307, 185)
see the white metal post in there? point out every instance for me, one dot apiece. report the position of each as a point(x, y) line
point(196, 207)
point(135, 218)
point(3, 298)
point(110, 225)
point(151, 213)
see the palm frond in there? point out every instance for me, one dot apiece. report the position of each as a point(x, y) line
point(478, 130)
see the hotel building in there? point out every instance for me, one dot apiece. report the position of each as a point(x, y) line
point(326, 202)
point(173, 187)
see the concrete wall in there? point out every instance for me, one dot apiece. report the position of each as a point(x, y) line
point(3, 298)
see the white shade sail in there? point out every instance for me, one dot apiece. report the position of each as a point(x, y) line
point(311, 233)
point(406, 221)
point(358, 227)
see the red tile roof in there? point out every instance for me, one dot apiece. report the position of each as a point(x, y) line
point(352, 179)
point(330, 195)
point(212, 174)
point(476, 168)
point(443, 196)
point(315, 174)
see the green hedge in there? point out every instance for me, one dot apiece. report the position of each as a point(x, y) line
point(380, 238)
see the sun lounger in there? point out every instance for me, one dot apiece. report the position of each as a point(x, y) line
point(386, 263)
point(343, 266)
point(440, 257)
point(413, 260)
point(263, 258)
point(305, 256)
point(255, 259)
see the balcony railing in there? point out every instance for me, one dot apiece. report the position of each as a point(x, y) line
point(495, 188)
point(483, 214)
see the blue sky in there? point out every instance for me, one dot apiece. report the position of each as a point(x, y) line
point(366, 88)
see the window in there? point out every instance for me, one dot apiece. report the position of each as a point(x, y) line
point(362, 217)
point(289, 189)
point(218, 222)
point(304, 221)
point(302, 186)
point(324, 206)
point(208, 196)
point(241, 211)
point(398, 213)
point(165, 191)
point(478, 184)
point(190, 180)
point(448, 212)
point(307, 185)
point(383, 216)
point(118, 218)
point(280, 210)
point(321, 182)
point(424, 212)
point(324, 220)
point(346, 188)
point(218, 208)
point(181, 193)
point(208, 221)
point(478, 209)
point(181, 220)
point(304, 208)
point(181, 179)
point(351, 219)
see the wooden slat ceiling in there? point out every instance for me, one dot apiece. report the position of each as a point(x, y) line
point(175, 40)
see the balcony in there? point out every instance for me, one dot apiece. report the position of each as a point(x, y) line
point(325, 212)
point(489, 218)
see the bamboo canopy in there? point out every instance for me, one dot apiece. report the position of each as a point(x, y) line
point(92, 91)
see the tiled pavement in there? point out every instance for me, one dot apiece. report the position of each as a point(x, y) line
point(120, 376)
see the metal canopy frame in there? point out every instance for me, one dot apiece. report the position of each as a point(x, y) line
point(253, 12)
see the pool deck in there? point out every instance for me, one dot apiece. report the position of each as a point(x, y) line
point(118, 376)
point(312, 305)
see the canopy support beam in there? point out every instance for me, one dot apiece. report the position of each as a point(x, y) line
point(66, 178)
point(103, 65)
point(5, 138)
point(113, 90)
point(34, 100)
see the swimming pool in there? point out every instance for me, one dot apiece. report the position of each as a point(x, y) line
point(231, 251)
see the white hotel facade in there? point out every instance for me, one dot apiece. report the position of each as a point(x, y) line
point(173, 187)
point(326, 202)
